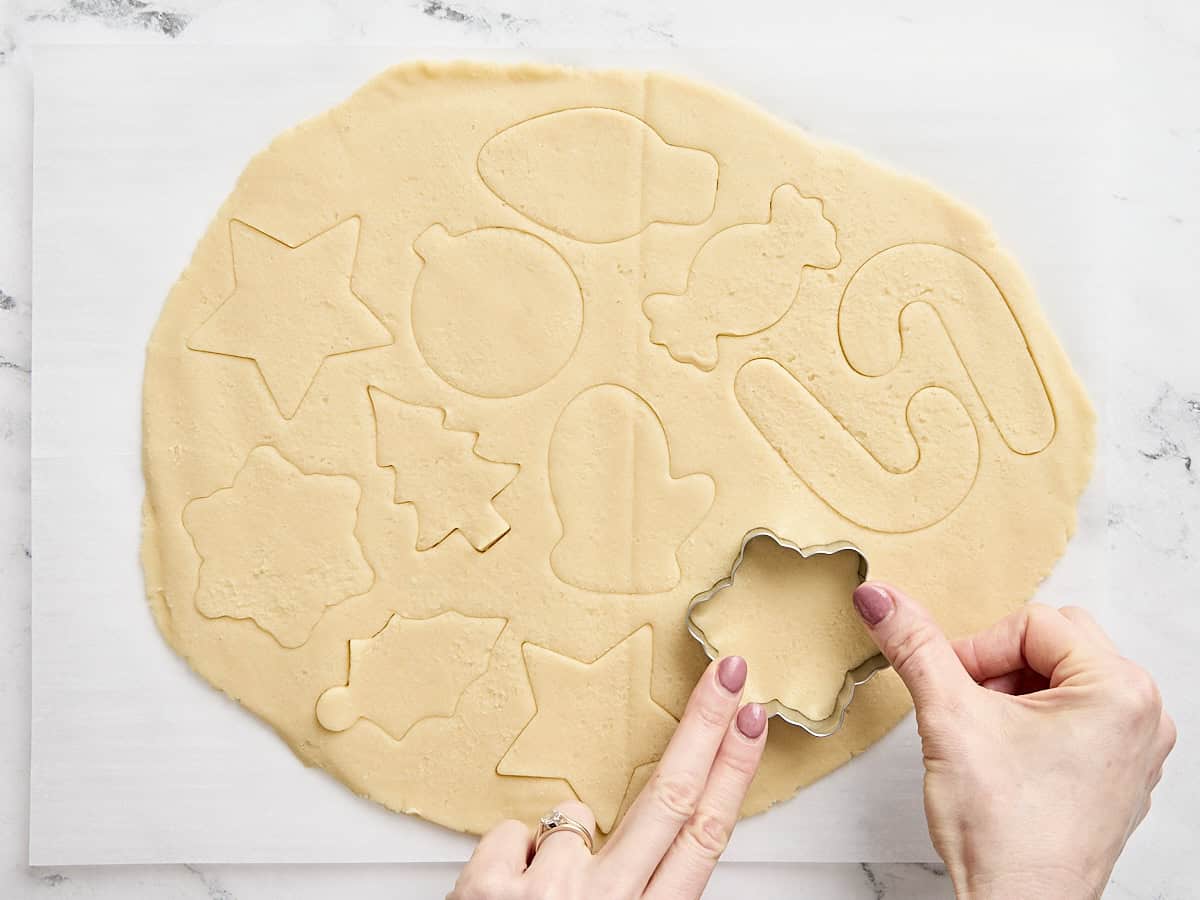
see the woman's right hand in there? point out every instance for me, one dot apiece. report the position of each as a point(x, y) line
point(1042, 744)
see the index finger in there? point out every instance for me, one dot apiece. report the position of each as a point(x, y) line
point(1036, 636)
point(674, 790)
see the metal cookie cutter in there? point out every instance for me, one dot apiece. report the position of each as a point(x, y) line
point(860, 674)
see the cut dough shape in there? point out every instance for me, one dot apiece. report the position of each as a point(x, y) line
point(514, 219)
point(571, 171)
point(439, 471)
point(283, 566)
point(744, 279)
point(974, 312)
point(623, 513)
point(496, 311)
point(792, 618)
point(411, 670)
point(601, 704)
point(274, 281)
point(843, 472)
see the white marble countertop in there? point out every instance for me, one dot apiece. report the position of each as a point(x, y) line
point(1150, 420)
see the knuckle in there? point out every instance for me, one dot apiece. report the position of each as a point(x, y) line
point(704, 835)
point(1170, 735)
point(712, 715)
point(678, 794)
point(743, 763)
point(906, 650)
point(1139, 693)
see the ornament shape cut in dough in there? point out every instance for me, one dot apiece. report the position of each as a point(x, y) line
point(283, 566)
point(496, 312)
point(274, 282)
point(571, 171)
point(840, 470)
point(791, 617)
point(581, 704)
point(623, 513)
point(439, 471)
point(411, 670)
point(566, 197)
point(973, 310)
point(744, 279)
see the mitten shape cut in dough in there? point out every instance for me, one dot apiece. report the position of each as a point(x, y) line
point(474, 380)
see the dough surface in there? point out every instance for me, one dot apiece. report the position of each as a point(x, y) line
point(478, 378)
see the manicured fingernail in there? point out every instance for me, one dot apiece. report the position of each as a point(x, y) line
point(731, 672)
point(751, 720)
point(873, 603)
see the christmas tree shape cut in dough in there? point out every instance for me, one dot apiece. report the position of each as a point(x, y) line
point(793, 619)
point(291, 308)
point(622, 511)
point(278, 546)
point(597, 175)
point(595, 722)
point(744, 279)
point(440, 473)
point(411, 670)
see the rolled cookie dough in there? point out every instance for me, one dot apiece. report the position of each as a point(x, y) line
point(483, 374)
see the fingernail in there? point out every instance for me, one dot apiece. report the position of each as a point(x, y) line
point(873, 603)
point(751, 720)
point(731, 672)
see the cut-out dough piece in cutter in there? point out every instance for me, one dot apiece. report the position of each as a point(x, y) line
point(435, 658)
point(291, 308)
point(744, 279)
point(439, 471)
point(283, 565)
point(581, 703)
point(597, 175)
point(788, 611)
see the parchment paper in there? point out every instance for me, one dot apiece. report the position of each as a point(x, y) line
point(135, 759)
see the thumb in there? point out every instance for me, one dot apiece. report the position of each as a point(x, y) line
point(913, 643)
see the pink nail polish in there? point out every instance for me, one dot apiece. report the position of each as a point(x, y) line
point(731, 672)
point(751, 720)
point(873, 603)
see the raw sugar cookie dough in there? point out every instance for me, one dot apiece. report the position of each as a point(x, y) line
point(478, 378)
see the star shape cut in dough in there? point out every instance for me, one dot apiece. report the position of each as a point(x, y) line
point(291, 308)
point(595, 722)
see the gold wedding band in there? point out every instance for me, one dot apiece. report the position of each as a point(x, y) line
point(555, 822)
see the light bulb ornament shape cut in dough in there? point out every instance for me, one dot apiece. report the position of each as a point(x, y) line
point(597, 175)
point(265, 556)
point(623, 513)
point(744, 279)
point(585, 709)
point(409, 671)
point(438, 470)
point(291, 309)
point(789, 623)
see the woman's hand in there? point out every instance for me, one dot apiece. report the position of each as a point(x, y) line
point(669, 841)
point(1042, 744)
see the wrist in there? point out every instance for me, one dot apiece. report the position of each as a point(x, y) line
point(1059, 884)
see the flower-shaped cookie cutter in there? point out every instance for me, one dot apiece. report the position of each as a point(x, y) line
point(860, 674)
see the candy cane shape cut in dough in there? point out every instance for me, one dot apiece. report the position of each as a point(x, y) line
point(843, 473)
point(977, 317)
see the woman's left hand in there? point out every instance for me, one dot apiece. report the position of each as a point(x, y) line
point(671, 838)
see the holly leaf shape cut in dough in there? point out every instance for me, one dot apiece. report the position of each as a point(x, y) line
point(278, 546)
point(439, 472)
point(412, 669)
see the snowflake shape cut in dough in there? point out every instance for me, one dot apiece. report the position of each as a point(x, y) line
point(278, 546)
